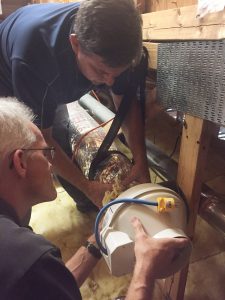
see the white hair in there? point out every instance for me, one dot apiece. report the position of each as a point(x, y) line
point(15, 132)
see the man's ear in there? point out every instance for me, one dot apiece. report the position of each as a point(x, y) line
point(19, 163)
point(74, 43)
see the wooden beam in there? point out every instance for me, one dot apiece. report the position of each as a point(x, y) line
point(153, 54)
point(183, 24)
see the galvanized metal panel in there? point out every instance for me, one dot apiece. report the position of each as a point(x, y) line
point(191, 78)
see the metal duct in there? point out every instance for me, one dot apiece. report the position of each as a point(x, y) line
point(212, 206)
point(161, 162)
point(212, 209)
point(96, 109)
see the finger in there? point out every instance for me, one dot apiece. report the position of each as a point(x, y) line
point(138, 227)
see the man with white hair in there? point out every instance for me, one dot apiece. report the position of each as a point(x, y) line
point(30, 266)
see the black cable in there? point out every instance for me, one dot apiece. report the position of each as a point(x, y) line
point(175, 146)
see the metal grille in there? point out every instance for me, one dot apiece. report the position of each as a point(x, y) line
point(191, 78)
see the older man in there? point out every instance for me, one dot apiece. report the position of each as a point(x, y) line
point(30, 266)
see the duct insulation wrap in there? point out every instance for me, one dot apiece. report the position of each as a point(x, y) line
point(85, 138)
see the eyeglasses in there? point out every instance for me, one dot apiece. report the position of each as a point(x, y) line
point(48, 152)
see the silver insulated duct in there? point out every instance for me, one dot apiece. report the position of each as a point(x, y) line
point(85, 139)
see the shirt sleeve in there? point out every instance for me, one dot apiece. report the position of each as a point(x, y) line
point(35, 92)
point(47, 279)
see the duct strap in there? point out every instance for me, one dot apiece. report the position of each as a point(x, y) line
point(103, 151)
point(136, 81)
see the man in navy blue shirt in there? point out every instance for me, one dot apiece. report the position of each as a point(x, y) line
point(51, 54)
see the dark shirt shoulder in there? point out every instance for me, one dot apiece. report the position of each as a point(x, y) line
point(37, 63)
point(47, 279)
point(30, 266)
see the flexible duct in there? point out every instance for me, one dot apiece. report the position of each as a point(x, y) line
point(85, 138)
point(212, 206)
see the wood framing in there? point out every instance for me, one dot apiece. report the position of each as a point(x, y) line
point(183, 24)
point(196, 137)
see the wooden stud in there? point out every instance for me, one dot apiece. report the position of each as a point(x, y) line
point(195, 141)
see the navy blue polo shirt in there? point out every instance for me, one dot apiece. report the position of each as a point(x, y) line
point(30, 266)
point(37, 64)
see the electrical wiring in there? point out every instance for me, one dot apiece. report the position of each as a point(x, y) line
point(95, 95)
point(175, 145)
point(99, 216)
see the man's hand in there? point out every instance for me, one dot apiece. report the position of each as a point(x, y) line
point(139, 173)
point(95, 191)
point(154, 256)
point(133, 129)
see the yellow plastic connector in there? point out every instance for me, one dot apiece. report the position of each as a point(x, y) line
point(165, 204)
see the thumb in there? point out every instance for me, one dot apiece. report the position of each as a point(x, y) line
point(138, 227)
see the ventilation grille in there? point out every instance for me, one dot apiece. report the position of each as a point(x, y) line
point(191, 78)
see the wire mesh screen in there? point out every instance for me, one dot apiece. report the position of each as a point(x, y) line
point(191, 78)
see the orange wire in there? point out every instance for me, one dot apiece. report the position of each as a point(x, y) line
point(96, 96)
point(85, 134)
